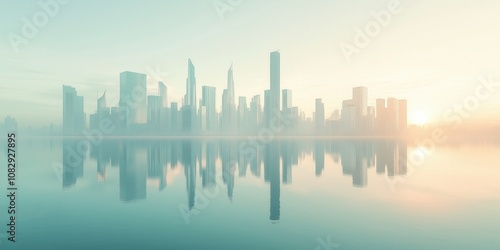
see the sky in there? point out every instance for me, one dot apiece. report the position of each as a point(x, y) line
point(430, 52)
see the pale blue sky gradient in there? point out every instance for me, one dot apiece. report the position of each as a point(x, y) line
point(431, 53)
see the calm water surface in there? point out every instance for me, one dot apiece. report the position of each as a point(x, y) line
point(229, 194)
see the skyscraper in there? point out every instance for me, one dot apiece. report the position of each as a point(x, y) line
point(154, 112)
point(286, 100)
point(103, 112)
point(230, 86)
point(242, 113)
point(133, 97)
point(348, 116)
point(275, 88)
point(188, 111)
point(287, 109)
point(370, 119)
point(229, 115)
point(162, 91)
point(267, 107)
point(73, 114)
point(165, 111)
point(392, 118)
point(255, 111)
point(225, 111)
point(190, 98)
point(101, 102)
point(381, 116)
point(402, 115)
point(208, 101)
point(319, 115)
point(175, 119)
point(189, 118)
point(360, 100)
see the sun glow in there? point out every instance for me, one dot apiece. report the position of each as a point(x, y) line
point(419, 118)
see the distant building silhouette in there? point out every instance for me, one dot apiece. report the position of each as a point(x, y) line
point(242, 113)
point(391, 118)
point(360, 102)
point(163, 93)
point(208, 112)
point(133, 99)
point(102, 113)
point(190, 97)
point(255, 116)
point(155, 108)
point(229, 119)
point(275, 85)
point(286, 101)
point(188, 111)
point(73, 112)
point(139, 114)
point(319, 115)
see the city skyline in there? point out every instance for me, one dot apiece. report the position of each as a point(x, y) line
point(139, 113)
point(432, 63)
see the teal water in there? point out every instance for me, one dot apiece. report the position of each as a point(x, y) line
point(230, 194)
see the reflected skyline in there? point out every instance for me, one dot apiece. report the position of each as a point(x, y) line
point(182, 189)
point(142, 160)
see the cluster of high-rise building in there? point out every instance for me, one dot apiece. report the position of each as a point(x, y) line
point(357, 118)
point(139, 113)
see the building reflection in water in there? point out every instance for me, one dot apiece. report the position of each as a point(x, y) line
point(208, 159)
point(143, 160)
point(356, 157)
point(189, 163)
point(391, 158)
point(228, 155)
point(74, 154)
point(133, 170)
point(272, 167)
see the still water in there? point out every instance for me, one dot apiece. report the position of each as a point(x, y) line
point(236, 194)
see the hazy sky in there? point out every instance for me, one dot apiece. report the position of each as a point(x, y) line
point(431, 53)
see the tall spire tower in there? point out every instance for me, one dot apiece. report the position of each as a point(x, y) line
point(275, 88)
point(190, 98)
point(230, 86)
